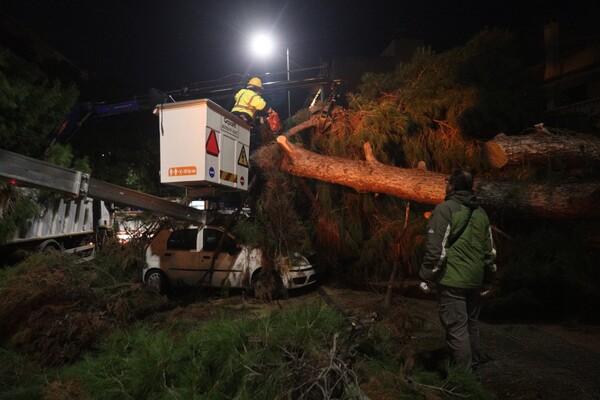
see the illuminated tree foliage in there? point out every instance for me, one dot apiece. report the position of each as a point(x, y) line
point(31, 108)
point(31, 105)
point(433, 107)
point(15, 210)
point(438, 108)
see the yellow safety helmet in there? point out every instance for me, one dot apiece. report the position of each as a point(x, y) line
point(256, 82)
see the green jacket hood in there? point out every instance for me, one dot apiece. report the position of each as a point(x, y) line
point(465, 197)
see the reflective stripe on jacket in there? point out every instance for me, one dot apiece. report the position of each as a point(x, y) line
point(459, 243)
point(248, 102)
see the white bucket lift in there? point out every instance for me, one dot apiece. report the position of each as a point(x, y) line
point(201, 144)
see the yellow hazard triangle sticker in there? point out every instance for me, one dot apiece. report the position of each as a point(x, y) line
point(243, 159)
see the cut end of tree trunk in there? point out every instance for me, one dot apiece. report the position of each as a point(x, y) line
point(572, 150)
point(494, 155)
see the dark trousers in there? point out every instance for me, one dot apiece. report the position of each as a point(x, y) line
point(245, 117)
point(459, 314)
point(254, 130)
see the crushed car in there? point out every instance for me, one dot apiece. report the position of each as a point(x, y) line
point(184, 258)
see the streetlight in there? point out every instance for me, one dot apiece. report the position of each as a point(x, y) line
point(287, 65)
point(263, 46)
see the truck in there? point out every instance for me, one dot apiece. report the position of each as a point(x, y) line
point(80, 217)
point(67, 225)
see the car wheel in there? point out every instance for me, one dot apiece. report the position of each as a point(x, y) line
point(265, 288)
point(50, 249)
point(156, 281)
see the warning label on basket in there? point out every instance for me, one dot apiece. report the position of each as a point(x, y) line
point(179, 171)
point(212, 145)
point(228, 176)
point(242, 158)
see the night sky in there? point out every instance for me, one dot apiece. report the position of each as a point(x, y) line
point(170, 44)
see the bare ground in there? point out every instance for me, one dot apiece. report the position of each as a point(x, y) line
point(551, 362)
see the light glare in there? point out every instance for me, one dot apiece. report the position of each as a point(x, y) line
point(262, 45)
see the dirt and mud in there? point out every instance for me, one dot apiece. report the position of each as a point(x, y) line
point(553, 362)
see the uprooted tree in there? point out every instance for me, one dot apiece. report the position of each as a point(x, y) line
point(434, 111)
point(363, 177)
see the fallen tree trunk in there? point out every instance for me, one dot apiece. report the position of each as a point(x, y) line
point(540, 200)
point(541, 147)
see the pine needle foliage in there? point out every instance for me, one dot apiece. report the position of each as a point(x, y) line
point(48, 293)
point(435, 105)
point(391, 241)
point(362, 233)
point(278, 224)
point(223, 359)
point(303, 352)
point(63, 155)
point(284, 228)
point(20, 378)
point(116, 262)
point(341, 229)
point(454, 383)
point(30, 109)
point(437, 108)
point(15, 211)
point(31, 106)
point(295, 353)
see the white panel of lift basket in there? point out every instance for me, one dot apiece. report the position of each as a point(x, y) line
point(202, 144)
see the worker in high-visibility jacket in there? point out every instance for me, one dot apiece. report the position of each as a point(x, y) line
point(248, 102)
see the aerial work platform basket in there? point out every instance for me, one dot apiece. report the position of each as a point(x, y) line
point(202, 144)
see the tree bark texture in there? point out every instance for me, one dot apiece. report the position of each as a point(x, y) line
point(539, 200)
point(573, 150)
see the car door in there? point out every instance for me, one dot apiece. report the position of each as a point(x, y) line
point(181, 260)
point(227, 268)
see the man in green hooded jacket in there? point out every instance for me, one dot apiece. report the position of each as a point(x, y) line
point(459, 258)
